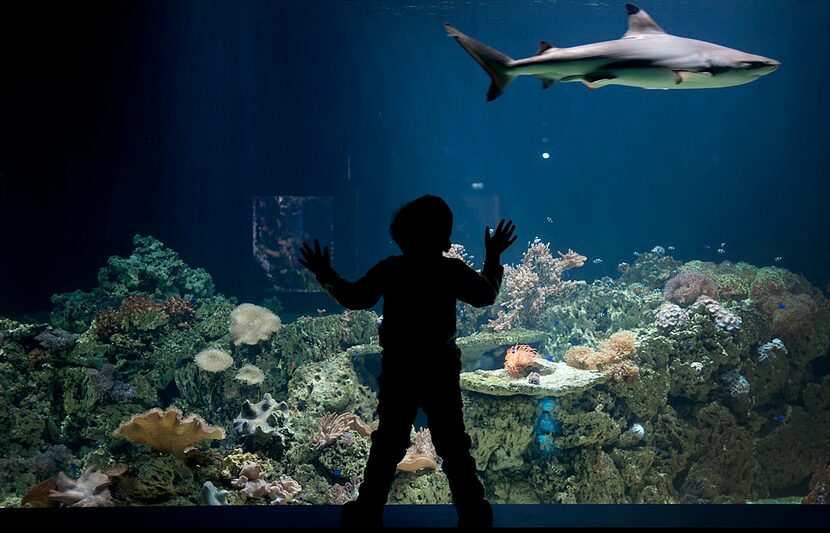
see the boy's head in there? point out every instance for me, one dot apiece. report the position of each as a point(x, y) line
point(423, 226)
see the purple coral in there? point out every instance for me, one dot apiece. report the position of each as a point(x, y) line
point(723, 319)
point(670, 316)
point(685, 288)
point(55, 339)
point(89, 490)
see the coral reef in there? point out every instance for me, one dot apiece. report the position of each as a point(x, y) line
point(685, 288)
point(265, 425)
point(615, 357)
point(421, 454)
point(213, 360)
point(252, 485)
point(89, 490)
point(167, 431)
point(518, 358)
point(529, 287)
point(252, 324)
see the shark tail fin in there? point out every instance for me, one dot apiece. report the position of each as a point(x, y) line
point(496, 64)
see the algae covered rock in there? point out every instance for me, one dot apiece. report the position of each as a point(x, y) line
point(555, 379)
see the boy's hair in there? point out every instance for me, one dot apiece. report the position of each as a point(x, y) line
point(424, 225)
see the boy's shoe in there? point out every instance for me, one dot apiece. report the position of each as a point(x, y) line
point(361, 515)
point(479, 515)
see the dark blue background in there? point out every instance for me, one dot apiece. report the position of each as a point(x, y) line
point(164, 118)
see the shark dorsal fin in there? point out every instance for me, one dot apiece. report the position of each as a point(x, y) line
point(639, 23)
point(544, 47)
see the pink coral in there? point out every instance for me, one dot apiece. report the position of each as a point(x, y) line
point(252, 485)
point(685, 288)
point(530, 285)
point(89, 490)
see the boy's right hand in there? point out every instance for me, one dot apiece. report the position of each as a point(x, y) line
point(500, 240)
point(316, 261)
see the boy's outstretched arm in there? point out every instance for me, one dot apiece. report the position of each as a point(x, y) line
point(480, 290)
point(362, 294)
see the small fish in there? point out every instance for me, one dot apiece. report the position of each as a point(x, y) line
point(780, 418)
point(537, 240)
point(636, 254)
point(723, 245)
point(597, 261)
point(550, 220)
point(782, 306)
point(556, 322)
point(779, 259)
point(609, 282)
point(688, 345)
point(292, 369)
point(320, 311)
point(706, 246)
point(721, 251)
point(336, 473)
point(549, 358)
point(670, 248)
point(193, 299)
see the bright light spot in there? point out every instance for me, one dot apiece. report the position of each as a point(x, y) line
point(545, 155)
point(477, 185)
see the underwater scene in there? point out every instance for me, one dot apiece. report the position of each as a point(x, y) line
point(662, 330)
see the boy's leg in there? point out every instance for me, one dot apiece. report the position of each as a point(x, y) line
point(444, 409)
point(397, 408)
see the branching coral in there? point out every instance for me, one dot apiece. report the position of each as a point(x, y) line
point(166, 431)
point(685, 288)
point(518, 358)
point(530, 285)
point(615, 357)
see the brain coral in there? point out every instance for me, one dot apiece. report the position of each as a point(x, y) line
point(213, 360)
point(685, 288)
point(166, 431)
point(251, 324)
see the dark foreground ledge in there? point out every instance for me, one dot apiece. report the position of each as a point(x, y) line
point(778, 516)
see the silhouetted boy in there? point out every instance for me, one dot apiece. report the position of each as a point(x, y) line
point(421, 362)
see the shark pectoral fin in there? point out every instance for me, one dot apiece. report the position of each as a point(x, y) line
point(595, 81)
point(546, 82)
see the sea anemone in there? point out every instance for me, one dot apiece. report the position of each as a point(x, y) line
point(518, 358)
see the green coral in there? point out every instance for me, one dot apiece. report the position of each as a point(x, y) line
point(420, 488)
point(348, 455)
point(163, 477)
point(501, 429)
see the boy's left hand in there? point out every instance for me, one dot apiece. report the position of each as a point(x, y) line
point(316, 261)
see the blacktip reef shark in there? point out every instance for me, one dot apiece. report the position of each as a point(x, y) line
point(646, 57)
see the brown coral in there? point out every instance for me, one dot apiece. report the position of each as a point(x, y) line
point(518, 358)
point(615, 357)
point(180, 311)
point(252, 485)
point(685, 288)
point(421, 454)
point(91, 489)
point(530, 285)
point(166, 431)
point(38, 496)
point(330, 427)
point(142, 312)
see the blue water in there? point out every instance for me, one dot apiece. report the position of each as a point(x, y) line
point(165, 118)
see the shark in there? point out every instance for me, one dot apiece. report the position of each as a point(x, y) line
point(645, 57)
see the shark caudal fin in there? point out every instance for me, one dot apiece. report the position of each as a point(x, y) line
point(494, 62)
